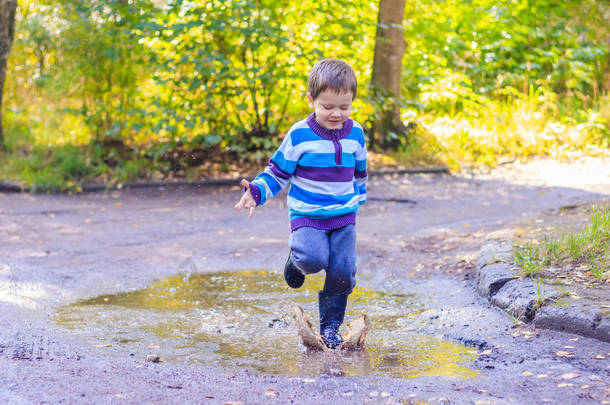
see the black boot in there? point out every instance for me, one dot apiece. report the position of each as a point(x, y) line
point(293, 276)
point(332, 312)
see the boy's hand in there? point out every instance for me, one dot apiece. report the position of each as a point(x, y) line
point(247, 201)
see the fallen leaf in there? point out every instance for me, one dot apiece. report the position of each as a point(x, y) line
point(573, 340)
point(233, 403)
point(561, 353)
point(488, 351)
point(154, 346)
point(568, 347)
point(569, 376)
point(584, 387)
point(153, 358)
point(599, 357)
point(385, 394)
point(106, 345)
point(347, 394)
point(526, 374)
point(121, 395)
point(271, 389)
point(271, 394)
point(563, 385)
point(411, 274)
point(209, 396)
point(542, 375)
point(118, 204)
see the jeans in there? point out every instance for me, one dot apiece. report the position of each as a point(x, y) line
point(314, 250)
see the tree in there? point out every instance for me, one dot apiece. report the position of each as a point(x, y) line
point(7, 33)
point(386, 78)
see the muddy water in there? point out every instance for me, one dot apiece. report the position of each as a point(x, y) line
point(243, 319)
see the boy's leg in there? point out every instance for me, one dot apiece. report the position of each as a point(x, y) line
point(339, 283)
point(309, 249)
point(341, 271)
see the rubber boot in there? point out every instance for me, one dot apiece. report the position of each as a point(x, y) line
point(293, 276)
point(332, 312)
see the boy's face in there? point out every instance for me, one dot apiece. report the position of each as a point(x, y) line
point(332, 109)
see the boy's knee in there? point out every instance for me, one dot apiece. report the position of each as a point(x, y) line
point(310, 263)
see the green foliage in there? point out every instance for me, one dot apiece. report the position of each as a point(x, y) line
point(50, 170)
point(529, 260)
point(147, 81)
point(589, 247)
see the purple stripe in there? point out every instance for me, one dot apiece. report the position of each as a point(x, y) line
point(256, 193)
point(359, 174)
point(277, 171)
point(325, 224)
point(333, 174)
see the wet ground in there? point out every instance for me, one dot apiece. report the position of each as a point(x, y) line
point(92, 284)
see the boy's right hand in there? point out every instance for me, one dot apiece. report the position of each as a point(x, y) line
point(247, 201)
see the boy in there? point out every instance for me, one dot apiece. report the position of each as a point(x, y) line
point(323, 158)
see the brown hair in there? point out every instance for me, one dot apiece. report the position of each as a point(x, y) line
point(332, 74)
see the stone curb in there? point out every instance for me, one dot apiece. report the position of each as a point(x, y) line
point(97, 187)
point(498, 279)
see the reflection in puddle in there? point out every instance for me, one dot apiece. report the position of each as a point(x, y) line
point(243, 319)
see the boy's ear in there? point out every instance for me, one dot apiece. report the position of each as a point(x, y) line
point(310, 99)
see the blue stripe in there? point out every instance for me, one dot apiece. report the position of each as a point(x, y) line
point(301, 135)
point(316, 198)
point(288, 166)
point(360, 165)
point(325, 160)
point(271, 182)
point(357, 135)
point(320, 214)
point(362, 190)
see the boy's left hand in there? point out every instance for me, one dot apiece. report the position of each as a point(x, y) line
point(246, 201)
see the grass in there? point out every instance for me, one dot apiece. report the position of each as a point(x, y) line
point(521, 126)
point(589, 247)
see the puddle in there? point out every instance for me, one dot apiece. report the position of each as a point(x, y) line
point(242, 319)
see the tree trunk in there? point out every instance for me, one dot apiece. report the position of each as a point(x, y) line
point(7, 33)
point(387, 68)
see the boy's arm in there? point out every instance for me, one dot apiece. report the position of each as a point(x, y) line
point(360, 173)
point(272, 180)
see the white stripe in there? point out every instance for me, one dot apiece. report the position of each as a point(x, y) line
point(361, 153)
point(361, 181)
point(324, 187)
point(350, 145)
point(298, 205)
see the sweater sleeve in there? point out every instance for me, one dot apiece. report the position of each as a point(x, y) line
point(277, 174)
point(360, 173)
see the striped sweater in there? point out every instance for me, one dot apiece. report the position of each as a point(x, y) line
point(326, 170)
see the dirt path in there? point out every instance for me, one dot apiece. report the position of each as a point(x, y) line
point(57, 249)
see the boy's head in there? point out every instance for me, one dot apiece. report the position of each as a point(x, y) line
point(331, 89)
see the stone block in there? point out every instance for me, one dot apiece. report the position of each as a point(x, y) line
point(519, 297)
point(493, 277)
point(495, 252)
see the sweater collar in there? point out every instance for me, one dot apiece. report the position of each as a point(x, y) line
point(329, 134)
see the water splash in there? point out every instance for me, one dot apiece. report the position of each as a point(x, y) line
point(242, 319)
